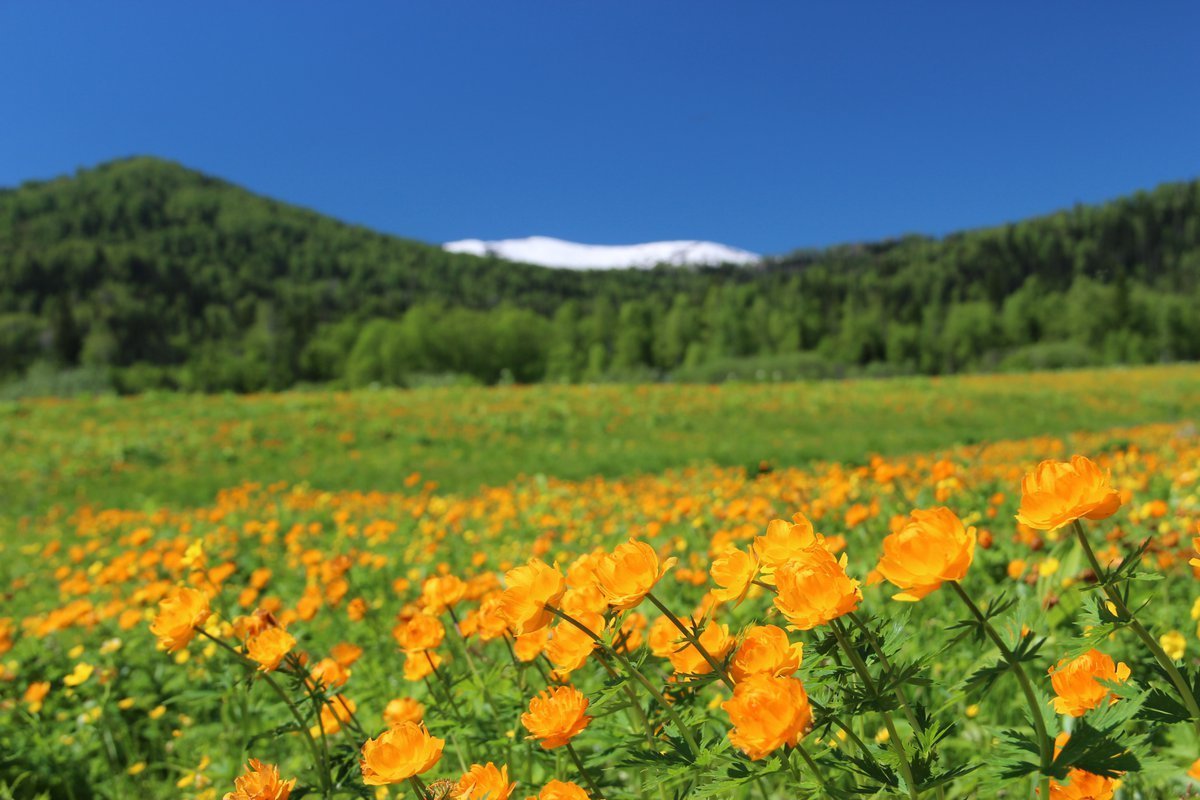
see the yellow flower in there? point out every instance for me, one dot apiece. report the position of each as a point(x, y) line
point(556, 716)
point(261, 782)
point(933, 547)
point(179, 614)
point(531, 588)
point(765, 650)
point(813, 589)
point(1077, 684)
point(484, 782)
point(1173, 644)
point(783, 541)
point(1057, 493)
point(767, 713)
point(628, 573)
point(399, 753)
point(81, 673)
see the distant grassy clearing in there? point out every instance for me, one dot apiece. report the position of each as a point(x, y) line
point(171, 449)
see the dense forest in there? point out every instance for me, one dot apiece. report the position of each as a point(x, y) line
point(142, 274)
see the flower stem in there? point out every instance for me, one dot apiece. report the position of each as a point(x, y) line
point(694, 640)
point(1114, 596)
point(587, 778)
point(812, 765)
point(893, 736)
point(636, 674)
point(1045, 746)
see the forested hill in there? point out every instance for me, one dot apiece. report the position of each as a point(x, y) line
point(141, 273)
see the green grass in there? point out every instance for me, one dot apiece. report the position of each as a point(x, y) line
point(180, 449)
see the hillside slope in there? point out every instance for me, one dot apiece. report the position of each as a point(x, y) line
point(150, 274)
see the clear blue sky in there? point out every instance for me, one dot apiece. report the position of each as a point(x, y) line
point(772, 126)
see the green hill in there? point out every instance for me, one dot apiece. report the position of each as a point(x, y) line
point(141, 273)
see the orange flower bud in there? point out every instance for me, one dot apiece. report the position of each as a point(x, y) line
point(813, 589)
point(399, 753)
point(1077, 684)
point(767, 713)
point(556, 716)
point(932, 547)
point(1057, 493)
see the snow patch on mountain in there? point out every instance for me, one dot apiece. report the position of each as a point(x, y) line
point(549, 252)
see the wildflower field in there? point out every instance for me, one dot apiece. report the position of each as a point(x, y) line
point(969, 587)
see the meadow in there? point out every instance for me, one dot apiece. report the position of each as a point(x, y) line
point(606, 592)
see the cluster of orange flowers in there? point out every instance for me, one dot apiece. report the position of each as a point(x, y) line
point(218, 577)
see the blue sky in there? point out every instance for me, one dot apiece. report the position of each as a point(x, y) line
point(768, 126)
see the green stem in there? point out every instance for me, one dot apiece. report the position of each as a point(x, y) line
point(1181, 685)
point(636, 674)
point(694, 640)
point(901, 697)
point(893, 736)
point(1045, 745)
point(587, 778)
point(812, 765)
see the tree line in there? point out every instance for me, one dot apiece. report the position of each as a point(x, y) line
point(155, 276)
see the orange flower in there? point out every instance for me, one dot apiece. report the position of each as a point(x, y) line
point(269, 647)
point(1080, 785)
point(441, 592)
point(418, 666)
point(346, 654)
point(484, 782)
point(814, 589)
point(628, 573)
point(1077, 681)
point(570, 647)
point(261, 782)
point(765, 650)
point(689, 661)
point(336, 711)
point(531, 588)
point(399, 753)
point(664, 637)
point(556, 716)
point(403, 709)
point(767, 713)
point(931, 548)
point(179, 614)
point(419, 632)
point(35, 694)
point(734, 571)
point(328, 673)
point(784, 541)
point(1059, 492)
point(561, 790)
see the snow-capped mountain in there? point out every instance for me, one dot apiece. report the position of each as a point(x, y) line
point(550, 252)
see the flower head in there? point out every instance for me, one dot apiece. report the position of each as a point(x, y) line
point(932, 547)
point(561, 790)
point(403, 709)
point(765, 650)
point(1057, 493)
point(179, 614)
point(734, 572)
point(531, 588)
point(784, 540)
point(399, 753)
point(556, 716)
point(484, 782)
point(260, 782)
point(269, 647)
point(419, 632)
point(628, 573)
point(715, 639)
point(1077, 684)
point(767, 713)
point(813, 589)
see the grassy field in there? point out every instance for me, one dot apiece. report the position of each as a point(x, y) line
point(377, 529)
point(172, 449)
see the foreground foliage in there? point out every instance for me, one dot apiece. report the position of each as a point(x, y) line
point(955, 624)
